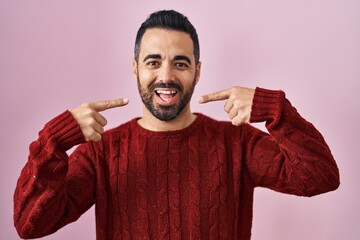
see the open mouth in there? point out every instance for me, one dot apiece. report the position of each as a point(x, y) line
point(166, 95)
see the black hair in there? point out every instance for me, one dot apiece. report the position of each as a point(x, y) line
point(169, 20)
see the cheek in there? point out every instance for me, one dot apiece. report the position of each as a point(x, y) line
point(188, 80)
point(146, 77)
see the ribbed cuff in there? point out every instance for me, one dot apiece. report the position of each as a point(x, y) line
point(65, 130)
point(267, 105)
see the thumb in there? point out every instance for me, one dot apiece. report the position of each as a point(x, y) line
point(107, 104)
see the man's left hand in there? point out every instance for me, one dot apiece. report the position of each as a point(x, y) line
point(238, 103)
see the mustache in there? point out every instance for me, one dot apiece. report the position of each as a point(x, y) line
point(166, 85)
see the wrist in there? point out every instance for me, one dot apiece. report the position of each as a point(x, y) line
point(267, 105)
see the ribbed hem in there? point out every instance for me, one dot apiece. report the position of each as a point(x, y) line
point(267, 105)
point(65, 130)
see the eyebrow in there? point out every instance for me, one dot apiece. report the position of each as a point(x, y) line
point(177, 57)
point(182, 57)
point(156, 56)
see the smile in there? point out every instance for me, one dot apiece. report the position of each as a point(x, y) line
point(166, 95)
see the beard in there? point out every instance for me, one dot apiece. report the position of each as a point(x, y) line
point(165, 113)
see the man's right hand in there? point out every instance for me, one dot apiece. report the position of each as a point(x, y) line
point(90, 120)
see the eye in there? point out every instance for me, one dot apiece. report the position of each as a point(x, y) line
point(152, 63)
point(181, 65)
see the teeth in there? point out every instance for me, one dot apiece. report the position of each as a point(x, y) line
point(166, 92)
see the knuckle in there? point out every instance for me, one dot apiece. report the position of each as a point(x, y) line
point(235, 122)
point(86, 105)
point(237, 104)
point(86, 112)
point(232, 97)
point(107, 103)
point(243, 118)
point(92, 122)
point(96, 138)
point(217, 95)
point(91, 132)
point(236, 89)
point(227, 107)
point(232, 115)
point(92, 114)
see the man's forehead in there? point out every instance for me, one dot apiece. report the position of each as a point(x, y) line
point(164, 40)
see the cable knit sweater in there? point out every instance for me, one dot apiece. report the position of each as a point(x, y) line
point(194, 183)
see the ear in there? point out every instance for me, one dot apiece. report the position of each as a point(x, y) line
point(135, 69)
point(198, 71)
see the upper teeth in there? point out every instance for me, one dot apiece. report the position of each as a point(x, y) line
point(166, 92)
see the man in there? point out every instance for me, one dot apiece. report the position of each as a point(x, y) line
point(170, 174)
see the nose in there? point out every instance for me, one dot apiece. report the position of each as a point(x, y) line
point(166, 73)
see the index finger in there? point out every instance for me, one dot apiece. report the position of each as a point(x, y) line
point(215, 96)
point(107, 104)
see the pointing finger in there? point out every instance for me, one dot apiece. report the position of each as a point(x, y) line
point(107, 104)
point(216, 96)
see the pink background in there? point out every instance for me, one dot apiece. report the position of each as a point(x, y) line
point(54, 55)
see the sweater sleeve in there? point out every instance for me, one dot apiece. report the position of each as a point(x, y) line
point(51, 192)
point(294, 157)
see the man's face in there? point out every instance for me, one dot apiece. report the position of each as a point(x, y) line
point(166, 72)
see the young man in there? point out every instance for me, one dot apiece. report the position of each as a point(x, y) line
point(170, 174)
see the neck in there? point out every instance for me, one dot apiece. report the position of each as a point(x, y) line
point(183, 120)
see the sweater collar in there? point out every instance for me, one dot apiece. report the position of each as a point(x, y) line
point(200, 118)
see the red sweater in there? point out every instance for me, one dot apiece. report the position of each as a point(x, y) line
point(194, 183)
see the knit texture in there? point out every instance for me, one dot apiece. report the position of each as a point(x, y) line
point(194, 183)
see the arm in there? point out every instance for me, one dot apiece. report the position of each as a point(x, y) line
point(55, 189)
point(294, 158)
point(49, 194)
